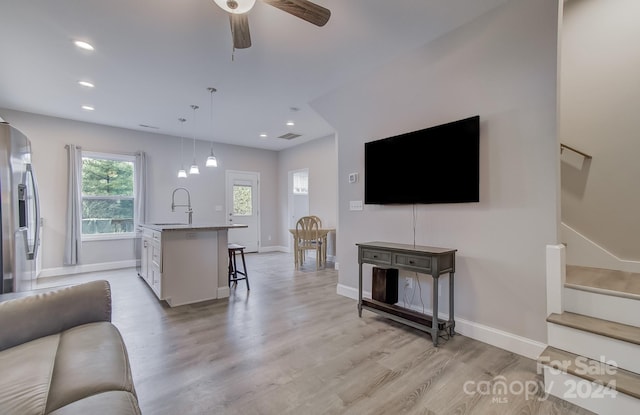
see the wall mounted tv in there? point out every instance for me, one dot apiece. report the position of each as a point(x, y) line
point(439, 164)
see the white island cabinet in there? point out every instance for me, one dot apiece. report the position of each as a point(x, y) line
point(185, 264)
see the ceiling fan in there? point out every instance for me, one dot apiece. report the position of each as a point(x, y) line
point(239, 9)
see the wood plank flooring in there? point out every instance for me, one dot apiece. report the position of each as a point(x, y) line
point(293, 346)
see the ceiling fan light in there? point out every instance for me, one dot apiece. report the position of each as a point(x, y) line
point(236, 6)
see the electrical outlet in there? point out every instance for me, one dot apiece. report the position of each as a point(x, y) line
point(408, 283)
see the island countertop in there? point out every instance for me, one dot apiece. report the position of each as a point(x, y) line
point(186, 227)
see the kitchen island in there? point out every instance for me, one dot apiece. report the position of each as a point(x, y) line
point(185, 264)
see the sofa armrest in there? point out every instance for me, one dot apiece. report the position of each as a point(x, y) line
point(40, 315)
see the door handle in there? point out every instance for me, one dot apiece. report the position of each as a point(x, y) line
point(36, 201)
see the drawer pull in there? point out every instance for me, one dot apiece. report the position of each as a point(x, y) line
point(375, 256)
point(411, 262)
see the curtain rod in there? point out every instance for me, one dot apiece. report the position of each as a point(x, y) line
point(120, 153)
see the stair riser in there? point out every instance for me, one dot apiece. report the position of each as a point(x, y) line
point(607, 307)
point(588, 395)
point(594, 346)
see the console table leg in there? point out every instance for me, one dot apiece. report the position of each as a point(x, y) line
point(452, 322)
point(359, 289)
point(434, 322)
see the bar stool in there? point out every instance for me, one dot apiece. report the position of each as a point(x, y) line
point(233, 267)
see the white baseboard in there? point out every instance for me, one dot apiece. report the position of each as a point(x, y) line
point(83, 268)
point(223, 292)
point(585, 252)
point(499, 338)
point(274, 248)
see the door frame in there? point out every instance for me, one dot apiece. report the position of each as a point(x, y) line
point(290, 208)
point(256, 174)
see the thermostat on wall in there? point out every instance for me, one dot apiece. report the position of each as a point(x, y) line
point(353, 177)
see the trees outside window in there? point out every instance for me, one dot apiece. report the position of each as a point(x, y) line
point(107, 194)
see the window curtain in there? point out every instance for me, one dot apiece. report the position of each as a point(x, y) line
point(140, 186)
point(73, 231)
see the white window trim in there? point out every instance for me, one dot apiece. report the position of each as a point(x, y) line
point(108, 236)
point(110, 156)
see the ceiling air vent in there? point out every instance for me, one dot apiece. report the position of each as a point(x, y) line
point(290, 136)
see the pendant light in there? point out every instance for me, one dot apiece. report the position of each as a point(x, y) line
point(194, 167)
point(182, 173)
point(211, 160)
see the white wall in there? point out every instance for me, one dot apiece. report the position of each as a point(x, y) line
point(599, 105)
point(502, 66)
point(320, 157)
point(49, 136)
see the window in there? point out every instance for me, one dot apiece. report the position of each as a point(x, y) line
point(107, 195)
point(242, 201)
point(301, 183)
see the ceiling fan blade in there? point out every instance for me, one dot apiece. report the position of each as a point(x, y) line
point(303, 9)
point(240, 30)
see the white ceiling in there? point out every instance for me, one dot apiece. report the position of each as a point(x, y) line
point(154, 58)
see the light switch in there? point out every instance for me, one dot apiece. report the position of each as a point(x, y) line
point(355, 205)
point(218, 208)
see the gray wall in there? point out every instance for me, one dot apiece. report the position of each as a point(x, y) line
point(599, 104)
point(50, 135)
point(320, 157)
point(502, 66)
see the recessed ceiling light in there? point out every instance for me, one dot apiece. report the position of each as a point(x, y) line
point(290, 123)
point(88, 108)
point(263, 135)
point(86, 83)
point(83, 45)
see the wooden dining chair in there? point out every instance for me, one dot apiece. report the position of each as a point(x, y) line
point(307, 239)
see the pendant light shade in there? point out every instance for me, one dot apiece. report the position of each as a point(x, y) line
point(212, 161)
point(194, 167)
point(182, 173)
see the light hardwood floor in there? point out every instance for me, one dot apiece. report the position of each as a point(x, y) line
point(293, 346)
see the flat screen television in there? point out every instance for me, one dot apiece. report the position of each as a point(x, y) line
point(439, 164)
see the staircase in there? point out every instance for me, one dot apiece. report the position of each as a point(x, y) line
point(593, 358)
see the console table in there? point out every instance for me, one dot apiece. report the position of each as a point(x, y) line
point(422, 259)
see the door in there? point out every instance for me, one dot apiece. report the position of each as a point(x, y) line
point(243, 197)
point(298, 191)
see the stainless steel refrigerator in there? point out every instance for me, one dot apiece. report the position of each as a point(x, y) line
point(20, 211)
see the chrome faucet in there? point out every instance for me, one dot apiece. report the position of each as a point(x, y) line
point(188, 205)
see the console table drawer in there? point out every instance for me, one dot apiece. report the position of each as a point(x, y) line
point(378, 257)
point(411, 261)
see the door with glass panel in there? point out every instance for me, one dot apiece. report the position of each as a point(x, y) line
point(242, 208)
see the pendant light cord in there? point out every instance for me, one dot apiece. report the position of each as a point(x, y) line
point(195, 107)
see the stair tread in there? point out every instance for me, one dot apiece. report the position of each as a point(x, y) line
point(622, 380)
point(594, 325)
point(605, 281)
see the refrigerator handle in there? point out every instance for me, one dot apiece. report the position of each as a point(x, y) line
point(36, 200)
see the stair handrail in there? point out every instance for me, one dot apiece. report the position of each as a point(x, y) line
point(585, 155)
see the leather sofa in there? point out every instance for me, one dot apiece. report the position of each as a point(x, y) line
point(61, 355)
